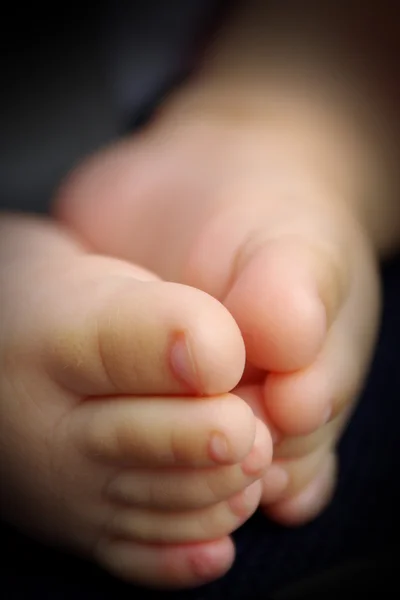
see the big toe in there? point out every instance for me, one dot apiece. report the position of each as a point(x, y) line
point(284, 288)
point(283, 298)
point(126, 336)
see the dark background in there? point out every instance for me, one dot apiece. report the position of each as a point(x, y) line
point(56, 100)
point(71, 79)
point(75, 76)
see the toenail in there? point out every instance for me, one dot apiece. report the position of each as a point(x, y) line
point(219, 448)
point(182, 362)
point(203, 565)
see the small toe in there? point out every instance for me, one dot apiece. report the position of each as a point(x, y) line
point(307, 504)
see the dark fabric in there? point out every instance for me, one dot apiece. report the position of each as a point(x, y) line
point(361, 524)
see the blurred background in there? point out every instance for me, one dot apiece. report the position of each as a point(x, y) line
point(73, 79)
point(76, 76)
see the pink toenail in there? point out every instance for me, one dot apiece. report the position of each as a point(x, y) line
point(219, 448)
point(203, 565)
point(182, 363)
point(210, 560)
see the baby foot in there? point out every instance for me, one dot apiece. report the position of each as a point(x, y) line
point(118, 437)
point(304, 293)
point(277, 245)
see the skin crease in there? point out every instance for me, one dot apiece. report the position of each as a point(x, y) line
point(263, 188)
point(222, 153)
